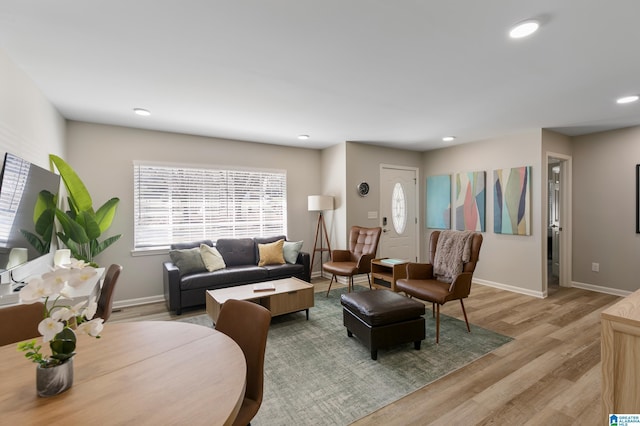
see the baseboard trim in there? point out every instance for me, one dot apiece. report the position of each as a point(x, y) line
point(363, 279)
point(534, 293)
point(601, 289)
point(137, 302)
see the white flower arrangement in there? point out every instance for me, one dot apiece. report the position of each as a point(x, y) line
point(61, 321)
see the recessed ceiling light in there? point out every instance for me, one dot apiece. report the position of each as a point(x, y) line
point(303, 137)
point(448, 138)
point(141, 111)
point(628, 99)
point(524, 28)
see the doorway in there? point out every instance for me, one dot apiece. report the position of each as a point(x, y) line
point(399, 212)
point(558, 251)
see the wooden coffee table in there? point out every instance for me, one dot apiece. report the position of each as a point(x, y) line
point(290, 295)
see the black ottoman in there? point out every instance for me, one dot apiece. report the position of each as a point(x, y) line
point(382, 318)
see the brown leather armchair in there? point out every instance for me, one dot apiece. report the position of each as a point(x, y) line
point(422, 284)
point(363, 244)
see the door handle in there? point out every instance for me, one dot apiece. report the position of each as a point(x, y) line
point(385, 230)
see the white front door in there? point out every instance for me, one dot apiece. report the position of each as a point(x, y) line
point(399, 212)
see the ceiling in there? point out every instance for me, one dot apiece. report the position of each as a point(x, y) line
point(393, 73)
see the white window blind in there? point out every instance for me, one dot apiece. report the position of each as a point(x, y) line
point(14, 180)
point(175, 204)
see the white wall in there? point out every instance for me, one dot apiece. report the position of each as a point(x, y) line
point(30, 127)
point(604, 209)
point(103, 157)
point(506, 261)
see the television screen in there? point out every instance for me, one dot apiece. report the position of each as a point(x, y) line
point(27, 196)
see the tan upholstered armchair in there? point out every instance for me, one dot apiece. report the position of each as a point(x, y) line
point(363, 244)
point(423, 282)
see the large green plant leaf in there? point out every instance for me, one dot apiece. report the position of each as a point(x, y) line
point(98, 248)
point(106, 213)
point(75, 187)
point(88, 222)
point(63, 344)
point(41, 246)
point(71, 229)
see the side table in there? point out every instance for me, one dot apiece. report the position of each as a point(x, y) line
point(385, 272)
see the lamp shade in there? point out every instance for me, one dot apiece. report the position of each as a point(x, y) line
point(318, 203)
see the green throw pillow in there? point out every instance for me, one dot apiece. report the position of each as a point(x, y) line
point(290, 250)
point(187, 260)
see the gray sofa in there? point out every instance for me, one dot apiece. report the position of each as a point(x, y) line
point(241, 256)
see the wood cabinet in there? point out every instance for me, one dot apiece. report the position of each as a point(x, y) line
point(620, 354)
point(385, 275)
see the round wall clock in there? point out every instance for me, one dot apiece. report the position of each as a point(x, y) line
point(363, 189)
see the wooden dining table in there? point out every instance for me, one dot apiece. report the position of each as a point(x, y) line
point(146, 372)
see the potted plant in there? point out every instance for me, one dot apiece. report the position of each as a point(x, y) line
point(60, 323)
point(81, 224)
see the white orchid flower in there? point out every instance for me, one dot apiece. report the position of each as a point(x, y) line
point(77, 277)
point(76, 310)
point(49, 327)
point(62, 314)
point(93, 328)
point(57, 276)
point(77, 264)
point(33, 291)
point(91, 308)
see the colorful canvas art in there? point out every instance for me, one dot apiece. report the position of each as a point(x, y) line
point(512, 201)
point(439, 202)
point(470, 201)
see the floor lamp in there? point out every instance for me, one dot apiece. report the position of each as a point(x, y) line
point(319, 203)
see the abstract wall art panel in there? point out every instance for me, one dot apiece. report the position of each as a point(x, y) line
point(512, 201)
point(439, 202)
point(470, 201)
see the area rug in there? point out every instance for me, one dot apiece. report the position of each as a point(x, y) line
point(316, 375)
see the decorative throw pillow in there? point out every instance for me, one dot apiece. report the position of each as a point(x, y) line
point(290, 250)
point(187, 260)
point(271, 254)
point(212, 258)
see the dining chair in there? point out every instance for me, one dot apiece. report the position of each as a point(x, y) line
point(105, 300)
point(363, 244)
point(20, 322)
point(424, 281)
point(247, 323)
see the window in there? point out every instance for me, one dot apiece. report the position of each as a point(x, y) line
point(399, 208)
point(174, 204)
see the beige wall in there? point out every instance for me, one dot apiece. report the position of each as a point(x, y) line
point(363, 165)
point(333, 164)
point(604, 210)
point(103, 157)
point(506, 261)
point(30, 126)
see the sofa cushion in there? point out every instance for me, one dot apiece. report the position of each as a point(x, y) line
point(212, 258)
point(271, 253)
point(187, 260)
point(290, 251)
point(231, 275)
point(283, 271)
point(180, 246)
point(237, 251)
point(267, 240)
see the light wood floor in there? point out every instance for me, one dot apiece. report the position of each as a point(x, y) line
point(549, 373)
